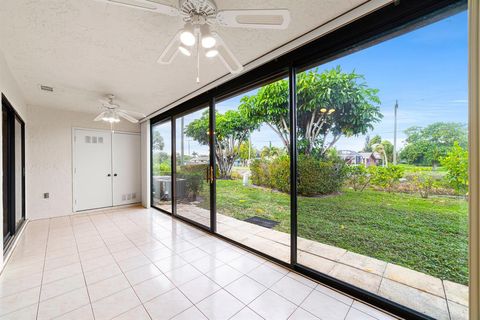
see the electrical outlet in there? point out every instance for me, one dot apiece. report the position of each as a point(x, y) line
point(46, 195)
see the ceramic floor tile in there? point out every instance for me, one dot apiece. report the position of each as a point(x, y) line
point(143, 273)
point(245, 289)
point(183, 274)
point(28, 313)
point(246, 314)
point(301, 314)
point(19, 300)
point(199, 288)
point(114, 305)
point(107, 287)
point(265, 275)
point(62, 286)
point(224, 275)
point(190, 314)
point(138, 313)
point(325, 307)
point(272, 306)
point(219, 306)
point(65, 303)
point(82, 313)
point(292, 290)
point(167, 305)
point(152, 288)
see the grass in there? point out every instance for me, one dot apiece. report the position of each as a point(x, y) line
point(427, 235)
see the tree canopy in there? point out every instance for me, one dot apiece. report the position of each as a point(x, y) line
point(158, 143)
point(426, 146)
point(330, 105)
point(232, 128)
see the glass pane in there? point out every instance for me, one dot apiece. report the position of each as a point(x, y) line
point(18, 174)
point(383, 168)
point(5, 165)
point(162, 166)
point(253, 185)
point(192, 167)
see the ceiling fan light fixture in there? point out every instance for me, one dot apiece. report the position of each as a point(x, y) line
point(185, 51)
point(211, 53)
point(208, 40)
point(186, 36)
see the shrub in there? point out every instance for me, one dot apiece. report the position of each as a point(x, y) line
point(386, 177)
point(456, 162)
point(194, 176)
point(358, 176)
point(280, 173)
point(423, 183)
point(260, 172)
point(319, 177)
point(315, 177)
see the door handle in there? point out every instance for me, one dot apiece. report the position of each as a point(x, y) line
point(109, 175)
point(114, 174)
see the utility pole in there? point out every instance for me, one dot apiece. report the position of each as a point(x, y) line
point(182, 142)
point(395, 134)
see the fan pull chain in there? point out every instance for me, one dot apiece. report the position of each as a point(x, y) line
point(198, 58)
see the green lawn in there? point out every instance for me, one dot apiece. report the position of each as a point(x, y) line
point(428, 235)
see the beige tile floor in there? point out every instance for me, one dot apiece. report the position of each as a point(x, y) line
point(140, 264)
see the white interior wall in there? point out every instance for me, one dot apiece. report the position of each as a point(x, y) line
point(11, 90)
point(49, 161)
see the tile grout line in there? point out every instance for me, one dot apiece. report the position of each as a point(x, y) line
point(175, 287)
point(81, 266)
point(121, 270)
point(43, 270)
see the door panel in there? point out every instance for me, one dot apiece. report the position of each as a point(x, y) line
point(162, 166)
point(126, 168)
point(19, 165)
point(93, 175)
point(193, 170)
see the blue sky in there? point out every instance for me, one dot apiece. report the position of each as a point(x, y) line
point(425, 70)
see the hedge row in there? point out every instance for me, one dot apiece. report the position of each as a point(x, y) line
point(315, 177)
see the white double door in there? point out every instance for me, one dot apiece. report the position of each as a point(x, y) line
point(106, 169)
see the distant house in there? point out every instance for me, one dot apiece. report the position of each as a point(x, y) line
point(365, 158)
point(199, 160)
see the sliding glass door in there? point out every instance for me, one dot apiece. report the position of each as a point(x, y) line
point(162, 193)
point(347, 162)
point(253, 160)
point(13, 149)
point(193, 172)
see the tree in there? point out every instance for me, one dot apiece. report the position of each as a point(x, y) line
point(158, 143)
point(330, 105)
point(426, 146)
point(246, 152)
point(456, 162)
point(232, 128)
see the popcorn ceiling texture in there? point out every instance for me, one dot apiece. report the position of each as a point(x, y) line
point(86, 48)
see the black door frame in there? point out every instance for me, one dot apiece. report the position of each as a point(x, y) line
point(387, 22)
point(9, 202)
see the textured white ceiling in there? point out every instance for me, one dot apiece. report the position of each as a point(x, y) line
point(84, 49)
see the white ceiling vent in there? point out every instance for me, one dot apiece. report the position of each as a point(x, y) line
point(46, 88)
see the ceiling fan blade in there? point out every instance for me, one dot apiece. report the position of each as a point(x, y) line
point(127, 117)
point(145, 5)
point(100, 116)
point(227, 57)
point(171, 50)
point(255, 19)
point(132, 113)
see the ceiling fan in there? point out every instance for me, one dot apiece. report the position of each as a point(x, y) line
point(112, 112)
point(199, 16)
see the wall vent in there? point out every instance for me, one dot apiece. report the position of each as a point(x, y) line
point(46, 88)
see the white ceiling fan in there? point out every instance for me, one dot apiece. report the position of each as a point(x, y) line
point(199, 16)
point(112, 112)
